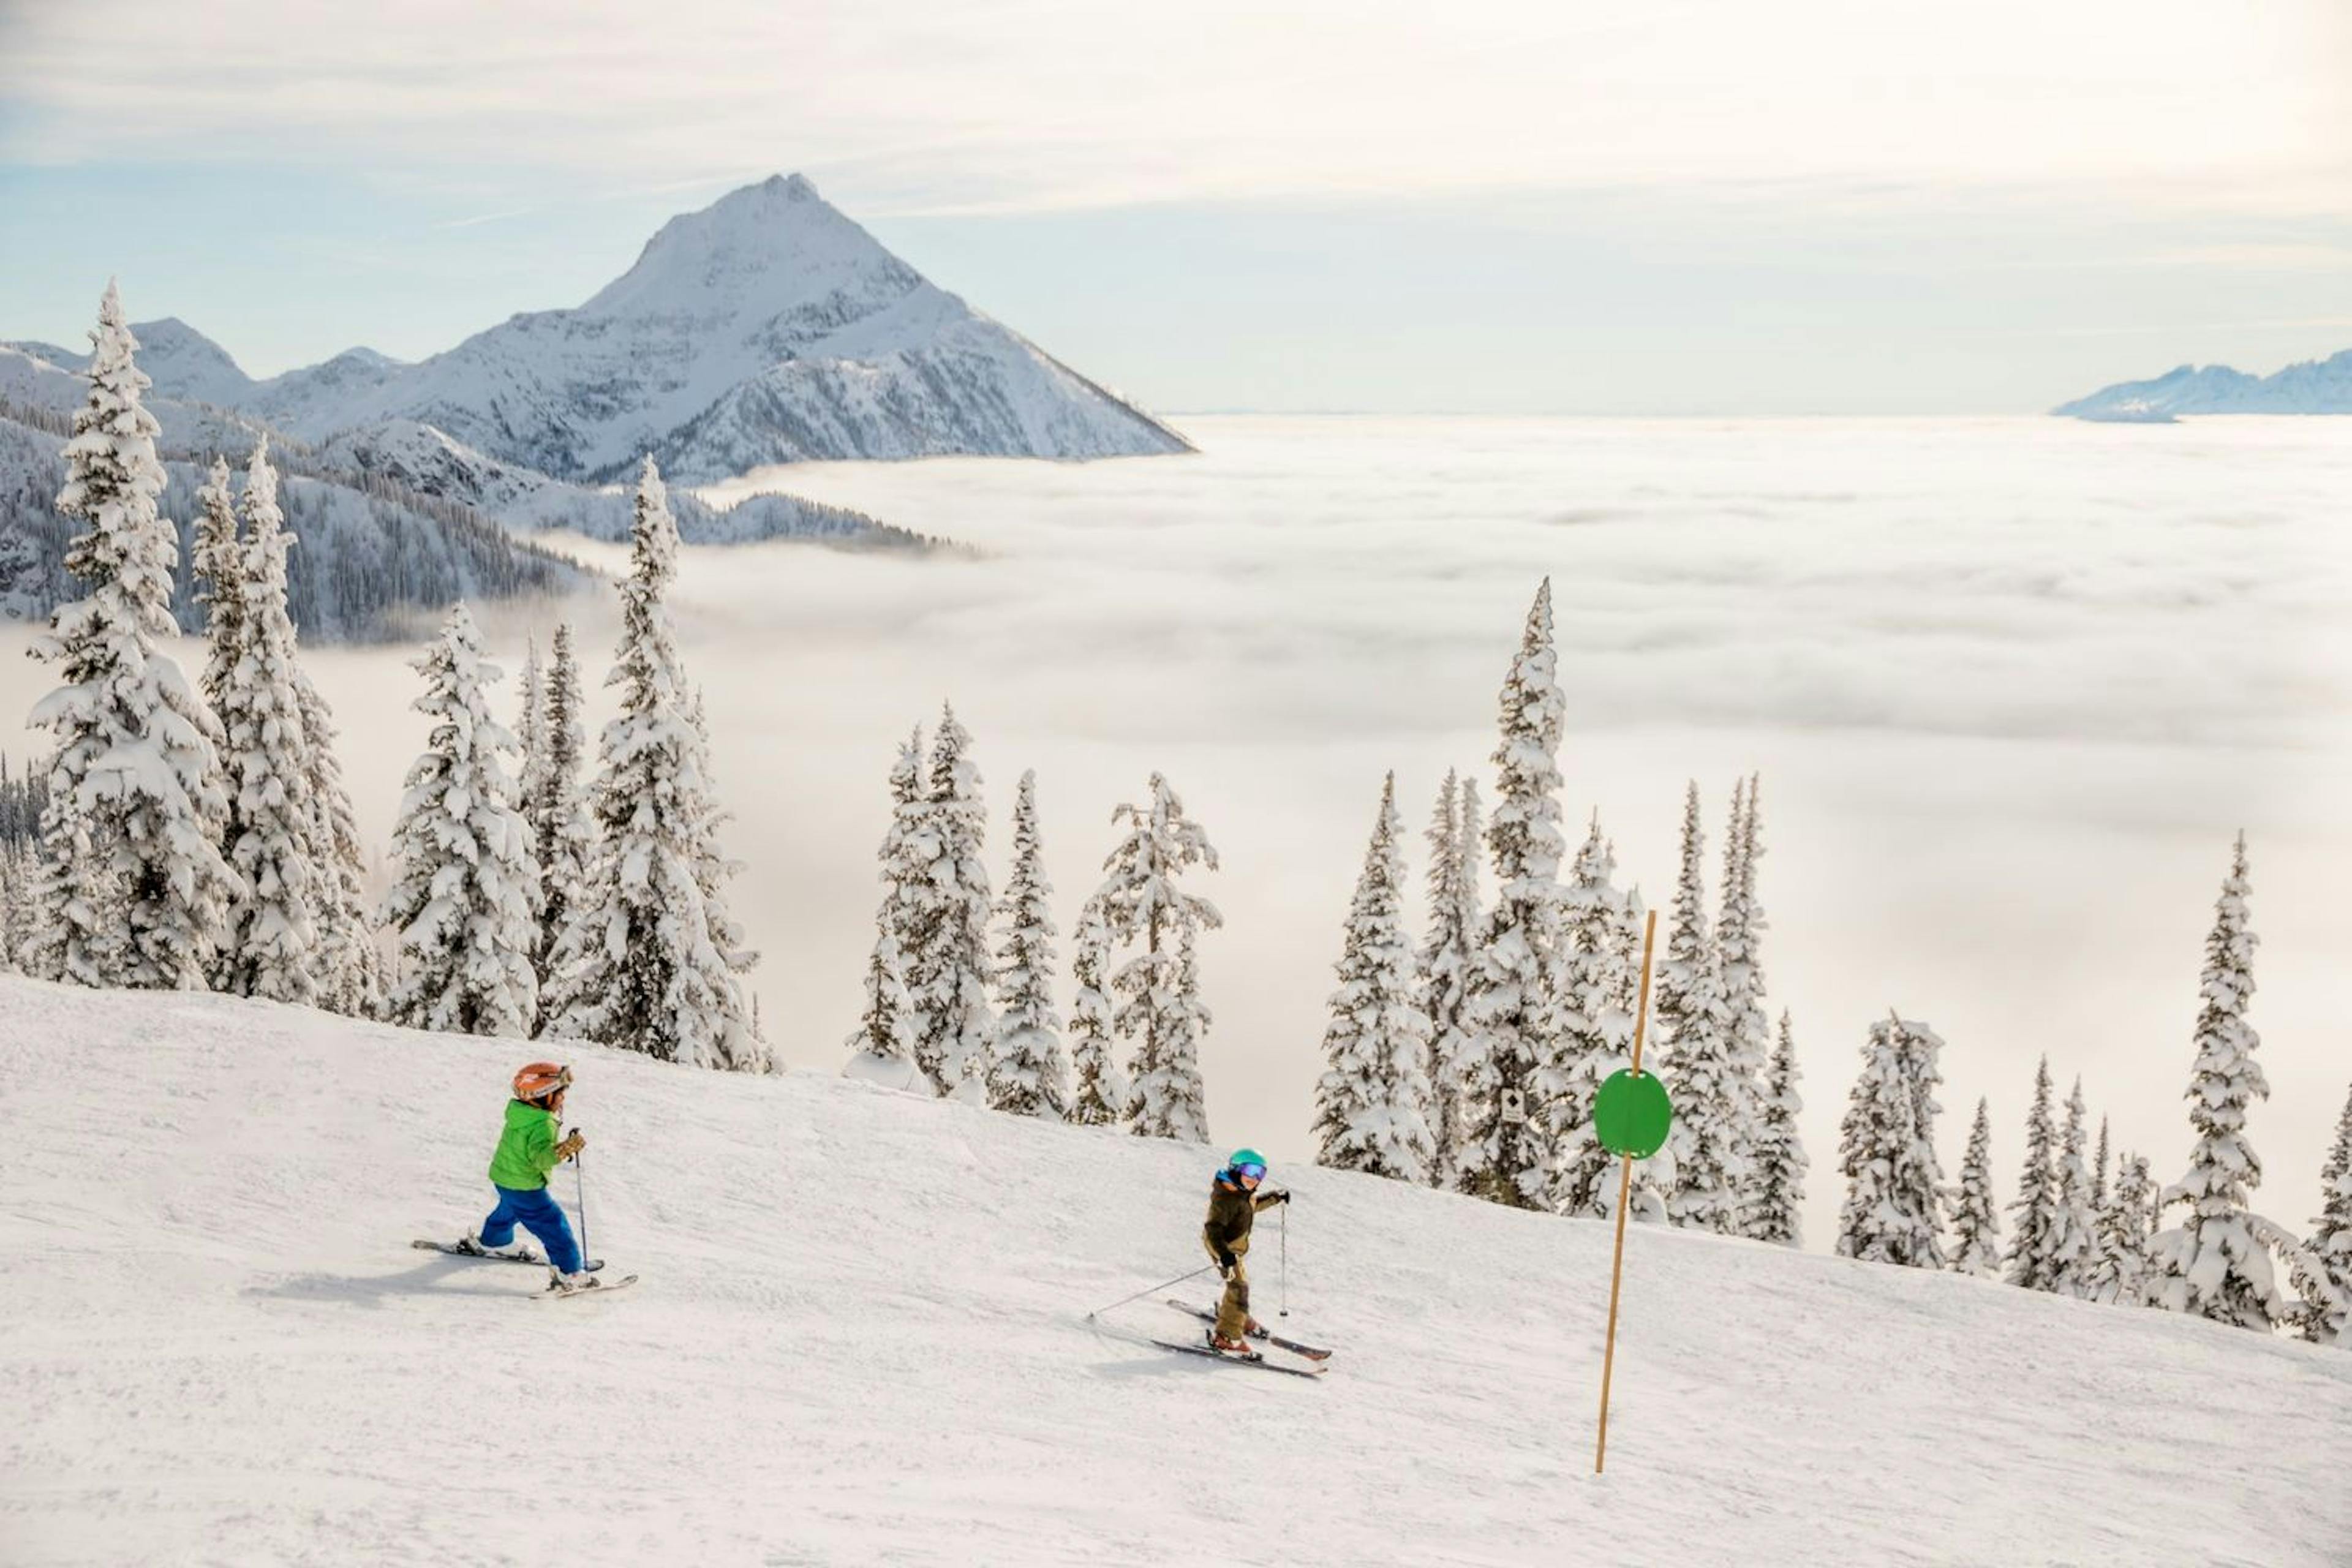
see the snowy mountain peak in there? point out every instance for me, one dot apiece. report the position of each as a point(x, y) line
point(758, 252)
point(765, 328)
point(193, 366)
point(364, 355)
point(180, 361)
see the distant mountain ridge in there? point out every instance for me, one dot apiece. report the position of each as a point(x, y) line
point(766, 328)
point(394, 522)
point(376, 563)
point(412, 459)
point(2313, 386)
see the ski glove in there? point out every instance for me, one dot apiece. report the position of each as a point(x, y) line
point(1279, 1195)
point(574, 1141)
point(1226, 1261)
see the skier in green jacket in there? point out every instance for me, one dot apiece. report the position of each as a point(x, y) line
point(528, 1151)
point(1233, 1203)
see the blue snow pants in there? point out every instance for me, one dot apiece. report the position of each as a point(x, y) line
point(539, 1214)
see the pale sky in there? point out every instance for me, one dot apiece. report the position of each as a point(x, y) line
point(1688, 206)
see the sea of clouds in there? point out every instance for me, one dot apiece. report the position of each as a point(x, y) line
point(2011, 686)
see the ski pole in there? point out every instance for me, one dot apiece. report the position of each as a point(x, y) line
point(580, 1192)
point(1147, 1289)
point(1285, 1259)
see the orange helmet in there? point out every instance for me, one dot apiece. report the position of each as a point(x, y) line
point(540, 1079)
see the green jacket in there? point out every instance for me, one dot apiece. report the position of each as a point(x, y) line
point(1231, 1211)
point(526, 1149)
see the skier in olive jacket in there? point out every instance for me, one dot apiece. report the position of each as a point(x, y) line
point(1233, 1203)
point(528, 1151)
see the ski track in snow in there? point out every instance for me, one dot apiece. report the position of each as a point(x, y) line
point(860, 1338)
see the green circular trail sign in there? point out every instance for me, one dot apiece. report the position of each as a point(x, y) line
point(1631, 1114)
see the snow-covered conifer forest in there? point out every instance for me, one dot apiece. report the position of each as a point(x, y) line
point(193, 834)
point(543, 881)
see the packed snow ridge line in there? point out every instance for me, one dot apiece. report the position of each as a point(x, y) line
point(766, 328)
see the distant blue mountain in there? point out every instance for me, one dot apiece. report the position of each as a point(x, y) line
point(2315, 386)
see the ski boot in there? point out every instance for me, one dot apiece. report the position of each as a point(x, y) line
point(470, 1246)
point(564, 1284)
point(1238, 1350)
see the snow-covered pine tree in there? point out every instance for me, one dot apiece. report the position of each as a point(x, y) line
point(462, 904)
point(1371, 1103)
point(1027, 1074)
point(1975, 1219)
point(948, 967)
point(1888, 1151)
point(1778, 1214)
point(2339, 1153)
point(531, 770)
point(2217, 1263)
point(1159, 1008)
point(137, 848)
point(747, 1046)
point(2074, 1242)
point(216, 561)
point(2119, 1273)
point(2099, 1171)
point(1441, 969)
point(563, 837)
point(1103, 1092)
point(351, 967)
point(71, 908)
point(1170, 1096)
point(23, 921)
point(1597, 1032)
point(1513, 1001)
point(882, 1049)
point(2096, 1263)
point(2032, 1259)
point(2094, 1255)
point(1922, 1171)
point(908, 844)
point(1694, 1040)
point(892, 1023)
point(13, 928)
point(271, 950)
point(637, 965)
point(2327, 1320)
point(1739, 945)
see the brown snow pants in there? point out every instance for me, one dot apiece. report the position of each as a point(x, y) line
point(1233, 1309)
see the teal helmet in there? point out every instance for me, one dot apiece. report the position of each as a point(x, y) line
point(1247, 1163)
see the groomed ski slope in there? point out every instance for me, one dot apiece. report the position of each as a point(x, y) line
point(860, 1338)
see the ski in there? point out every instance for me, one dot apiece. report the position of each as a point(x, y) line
point(601, 1288)
point(517, 1255)
point(1256, 1361)
point(1312, 1352)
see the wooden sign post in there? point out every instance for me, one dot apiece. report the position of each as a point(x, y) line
point(1632, 1116)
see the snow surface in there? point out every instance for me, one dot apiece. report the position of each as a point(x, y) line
point(860, 1337)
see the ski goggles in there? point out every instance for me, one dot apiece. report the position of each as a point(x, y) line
point(1251, 1171)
